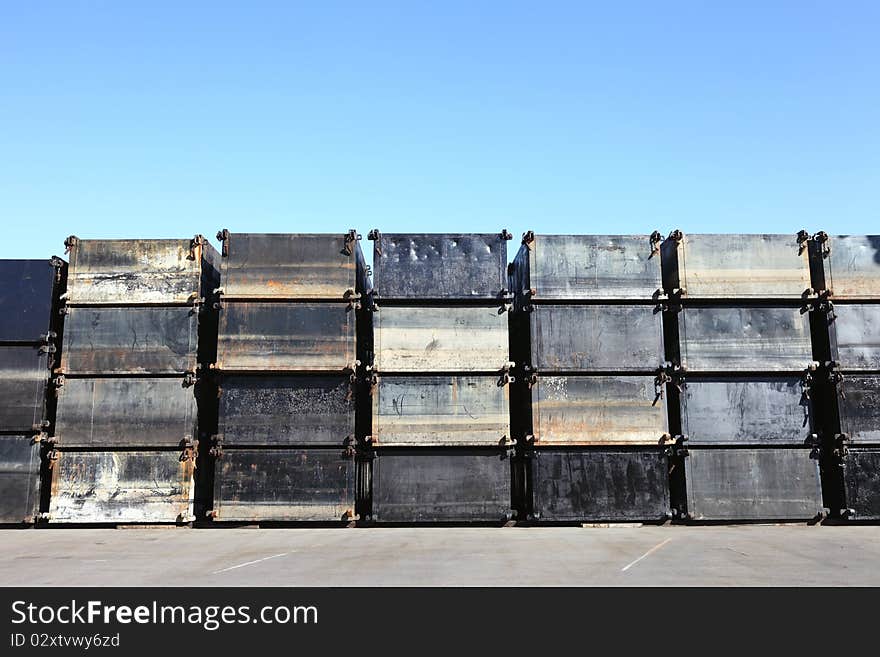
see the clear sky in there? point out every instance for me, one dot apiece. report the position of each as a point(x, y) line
point(165, 119)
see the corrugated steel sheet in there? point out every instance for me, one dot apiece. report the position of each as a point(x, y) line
point(855, 336)
point(19, 478)
point(27, 288)
point(24, 375)
point(852, 268)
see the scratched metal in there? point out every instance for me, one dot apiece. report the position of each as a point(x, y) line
point(19, 478)
point(286, 336)
point(853, 267)
point(440, 410)
point(289, 266)
point(284, 485)
point(752, 484)
point(600, 484)
point(743, 267)
point(745, 338)
point(861, 476)
point(596, 338)
point(746, 410)
point(855, 336)
point(27, 289)
point(24, 375)
point(440, 266)
point(858, 398)
point(432, 339)
point(425, 484)
point(602, 410)
point(287, 410)
point(121, 486)
point(125, 412)
point(130, 340)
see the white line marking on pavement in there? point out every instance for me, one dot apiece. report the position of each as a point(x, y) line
point(250, 563)
point(653, 549)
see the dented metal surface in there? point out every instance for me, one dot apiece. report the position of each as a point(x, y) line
point(752, 484)
point(603, 410)
point(442, 485)
point(438, 339)
point(852, 268)
point(27, 288)
point(19, 478)
point(600, 484)
point(858, 400)
point(287, 410)
point(125, 412)
point(278, 336)
point(861, 476)
point(855, 336)
point(613, 338)
point(121, 486)
point(439, 266)
point(440, 410)
point(24, 375)
point(745, 338)
point(284, 485)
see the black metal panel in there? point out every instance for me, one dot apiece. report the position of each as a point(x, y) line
point(861, 476)
point(852, 268)
point(282, 336)
point(858, 398)
point(19, 478)
point(619, 338)
point(26, 294)
point(284, 485)
point(600, 484)
point(440, 266)
point(753, 484)
point(125, 412)
point(855, 336)
point(135, 340)
point(287, 410)
point(432, 485)
point(24, 373)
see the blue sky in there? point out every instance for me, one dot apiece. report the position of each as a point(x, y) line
point(155, 119)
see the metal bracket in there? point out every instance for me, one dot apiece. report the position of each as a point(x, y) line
point(375, 236)
point(48, 337)
point(58, 264)
point(52, 456)
point(216, 446)
point(660, 380)
point(532, 380)
point(505, 379)
point(656, 239)
point(806, 384)
point(822, 238)
point(41, 437)
point(48, 349)
point(195, 243)
point(528, 237)
point(676, 236)
point(223, 238)
point(505, 235)
point(353, 298)
point(70, 243)
point(803, 238)
point(350, 237)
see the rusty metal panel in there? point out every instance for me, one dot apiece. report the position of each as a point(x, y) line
point(600, 484)
point(121, 486)
point(133, 340)
point(287, 410)
point(752, 484)
point(440, 266)
point(441, 485)
point(27, 288)
point(855, 336)
point(743, 267)
point(440, 410)
point(280, 336)
point(746, 410)
point(24, 374)
point(861, 476)
point(284, 485)
point(858, 398)
point(19, 478)
point(602, 410)
point(853, 267)
point(745, 338)
point(289, 266)
point(135, 271)
point(613, 338)
point(125, 412)
point(594, 267)
point(430, 338)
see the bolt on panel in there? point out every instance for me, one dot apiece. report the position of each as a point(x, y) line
point(858, 399)
point(852, 267)
point(861, 476)
point(19, 478)
point(24, 375)
point(27, 289)
point(855, 336)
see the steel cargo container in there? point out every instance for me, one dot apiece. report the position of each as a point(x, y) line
point(858, 400)
point(852, 267)
point(24, 375)
point(28, 290)
point(19, 478)
point(861, 476)
point(855, 336)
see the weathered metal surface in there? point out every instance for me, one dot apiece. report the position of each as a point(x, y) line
point(600, 484)
point(19, 478)
point(745, 338)
point(440, 410)
point(861, 476)
point(282, 336)
point(603, 410)
point(432, 485)
point(858, 399)
point(746, 410)
point(596, 338)
point(26, 290)
point(284, 485)
point(136, 271)
point(855, 336)
point(24, 374)
point(440, 266)
point(125, 412)
point(752, 484)
point(289, 266)
point(743, 267)
point(431, 339)
point(134, 340)
point(852, 268)
point(287, 410)
point(594, 267)
point(117, 486)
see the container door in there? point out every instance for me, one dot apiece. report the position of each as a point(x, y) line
point(855, 336)
point(19, 478)
point(853, 267)
point(26, 289)
point(24, 374)
point(861, 475)
point(858, 398)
